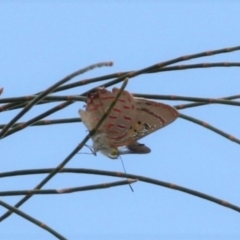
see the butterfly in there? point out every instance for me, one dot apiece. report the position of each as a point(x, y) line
point(128, 121)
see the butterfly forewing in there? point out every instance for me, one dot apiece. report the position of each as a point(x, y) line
point(119, 120)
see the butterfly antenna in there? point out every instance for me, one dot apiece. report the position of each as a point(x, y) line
point(126, 172)
point(91, 149)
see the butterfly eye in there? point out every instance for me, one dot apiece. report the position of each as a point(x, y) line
point(113, 153)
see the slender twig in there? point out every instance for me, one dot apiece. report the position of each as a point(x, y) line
point(189, 105)
point(210, 127)
point(161, 65)
point(122, 75)
point(165, 69)
point(125, 175)
point(67, 190)
point(35, 122)
point(70, 156)
point(19, 127)
point(50, 99)
point(23, 100)
point(47, 99)
point(33, 220)
point(46, 122)
point(48, 91)
point(191, 99)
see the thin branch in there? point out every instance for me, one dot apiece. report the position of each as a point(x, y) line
point(67, 190)
point(70, 156)
point(47, 99)
point(33, 220)
point(122, 75)
point(48, 91)
point(189, 105)
point(210, 127)
point(125, 175)
point(161, 65)
point(19, 127)
point(165, 69)
point(190, 99)
point(46, 122)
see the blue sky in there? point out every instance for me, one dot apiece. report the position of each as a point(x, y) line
point(43, 42)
